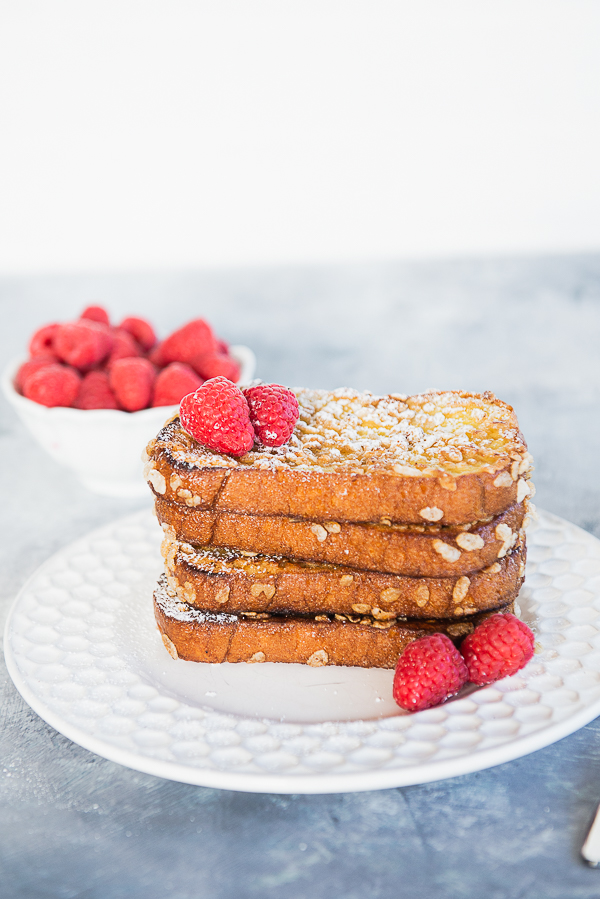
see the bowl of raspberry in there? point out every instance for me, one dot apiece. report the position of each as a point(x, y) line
point(93, 393)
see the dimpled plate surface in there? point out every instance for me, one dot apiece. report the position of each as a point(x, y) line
point(82, 649)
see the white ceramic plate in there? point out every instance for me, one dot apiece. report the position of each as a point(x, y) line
point(83, 650)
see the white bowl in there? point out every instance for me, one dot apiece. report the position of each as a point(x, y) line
point(102, 446)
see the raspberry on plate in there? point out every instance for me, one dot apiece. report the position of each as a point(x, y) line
point(82, 344)
point(95, 392)
point(217, 415)
point(428, 672)
point(132, 380)
point(173, 383)
point(273, 412)
point(52, 385)
point(499, 647)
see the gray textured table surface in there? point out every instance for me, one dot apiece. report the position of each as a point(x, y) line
point(75, 825)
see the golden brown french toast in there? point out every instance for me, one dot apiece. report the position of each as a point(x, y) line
point(205, 636)
point(413, 550)
point(439, 457)
point(226, 580)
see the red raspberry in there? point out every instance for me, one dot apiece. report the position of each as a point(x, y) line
point(222, 347)
point(428, 672)
point(273, 412)
point(42, 340)
point(498, 647)
point(189, 343)
point(30, 366)
point(96, 314)
point(156, 357)
point(217, 415)
point(124, 346)
point(173, 383)
point(95, 392)
point(83, 344)
point(52, 385)
point(132, 381)
point(141, 330)
point(215, 365)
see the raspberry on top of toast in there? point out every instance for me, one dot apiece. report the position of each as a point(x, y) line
point(454, 431)
point(439, 458)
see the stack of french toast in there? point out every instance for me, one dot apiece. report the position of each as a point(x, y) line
point(382, 520)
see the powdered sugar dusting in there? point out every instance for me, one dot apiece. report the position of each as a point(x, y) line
point(172, 607)
point(453, 432)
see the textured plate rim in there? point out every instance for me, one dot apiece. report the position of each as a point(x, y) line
point(265, 782)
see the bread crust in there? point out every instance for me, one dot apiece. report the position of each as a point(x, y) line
point(230, 582)
point(352, 496)
point(199, 636)
point(189, 474)
point(396, 549)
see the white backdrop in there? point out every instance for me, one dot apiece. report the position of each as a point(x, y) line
point(163, 133)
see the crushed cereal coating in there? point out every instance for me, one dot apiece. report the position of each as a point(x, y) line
point(453, 432)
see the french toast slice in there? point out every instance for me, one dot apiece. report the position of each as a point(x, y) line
point(225, 580)
point(449, 457)
point(412, 550)
point(198, 635)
